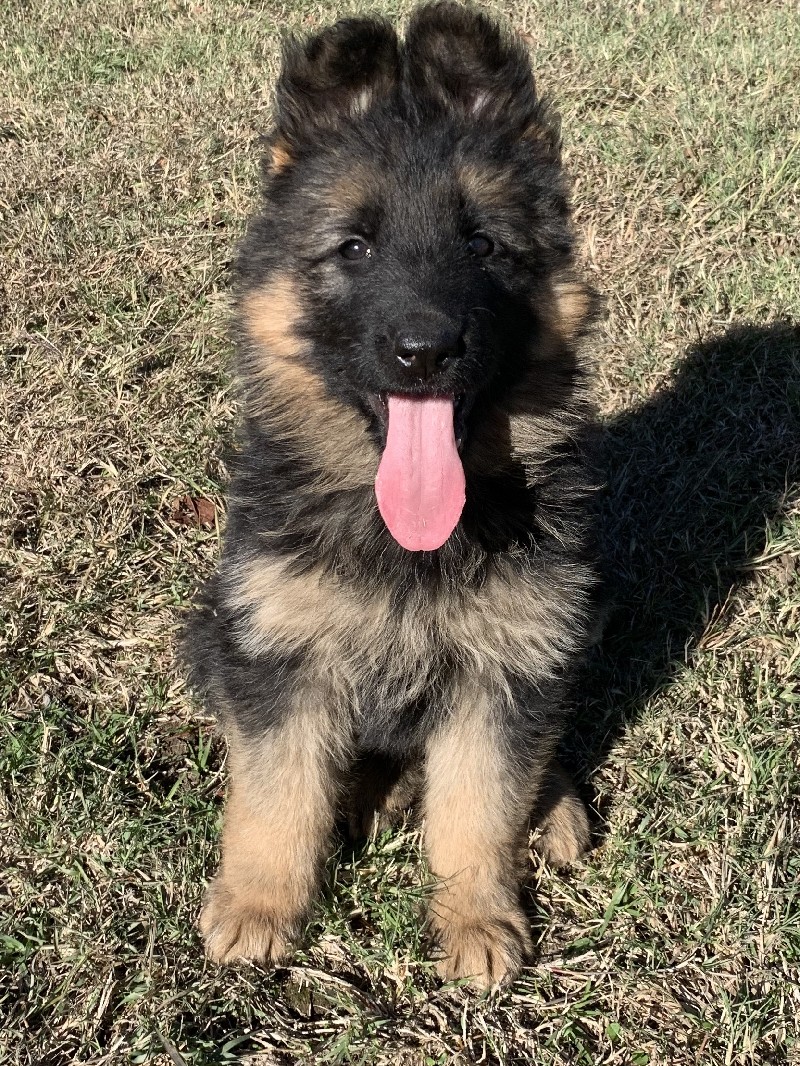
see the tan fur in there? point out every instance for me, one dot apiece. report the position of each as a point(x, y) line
point(271, 317)
point(313, 610)
point(573, 302)
point(475, 817)
point(278, 818)
point(362, 102)
point(543, 134)
point(563, 827)
point(292, 398)
point(509, 436)
point(516, 621)
point(486, 184)
point(525, 429)
point(280, 156)
point(349, 193)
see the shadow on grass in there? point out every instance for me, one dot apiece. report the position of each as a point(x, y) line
point(697, 476)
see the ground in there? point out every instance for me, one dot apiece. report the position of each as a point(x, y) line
point(128, 139)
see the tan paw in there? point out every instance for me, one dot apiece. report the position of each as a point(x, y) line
point(374, 806)
point(564, 833)
point(366, 822)
point(234, 928)
point(489, 951)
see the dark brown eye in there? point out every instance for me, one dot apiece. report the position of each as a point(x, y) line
point(355, 249)
point(480, 245)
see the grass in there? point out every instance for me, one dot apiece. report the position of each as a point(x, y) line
point(128, 145)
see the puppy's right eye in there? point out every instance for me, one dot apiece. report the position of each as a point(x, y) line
point(480, 245)
point(355, 249)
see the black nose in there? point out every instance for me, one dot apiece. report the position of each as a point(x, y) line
point(424, 352)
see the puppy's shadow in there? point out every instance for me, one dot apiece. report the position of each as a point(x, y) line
point(696, 477)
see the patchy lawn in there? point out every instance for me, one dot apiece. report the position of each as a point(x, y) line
point(128, 164)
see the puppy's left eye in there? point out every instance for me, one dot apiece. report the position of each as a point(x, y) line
point(480, 245)
point(355, 249)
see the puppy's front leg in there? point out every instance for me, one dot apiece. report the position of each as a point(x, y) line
point(478, 796)
point(278, 820)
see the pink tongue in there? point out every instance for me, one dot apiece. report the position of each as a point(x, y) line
point(420, 483)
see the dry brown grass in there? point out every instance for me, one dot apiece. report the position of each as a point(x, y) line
point(128, 167)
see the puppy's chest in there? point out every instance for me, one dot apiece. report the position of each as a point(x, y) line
point(354, 632)
point(334, 620)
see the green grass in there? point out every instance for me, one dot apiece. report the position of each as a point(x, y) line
point(127, 168)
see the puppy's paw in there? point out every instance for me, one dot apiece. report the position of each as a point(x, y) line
point(488, 951)
point(365, 821)
point(380, 796)
point(564, 833)
point(241, 927)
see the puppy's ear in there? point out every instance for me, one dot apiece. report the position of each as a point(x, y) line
point(335, 75)
point(457, 58)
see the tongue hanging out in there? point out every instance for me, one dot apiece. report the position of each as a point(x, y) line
point(420, 483)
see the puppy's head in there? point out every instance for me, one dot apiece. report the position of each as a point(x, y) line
point(407, 265)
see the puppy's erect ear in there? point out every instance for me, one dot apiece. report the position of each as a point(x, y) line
point(459, 59)
point(335, 75)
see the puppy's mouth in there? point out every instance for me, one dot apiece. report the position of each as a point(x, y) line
point(462, 405)
point(420, 486)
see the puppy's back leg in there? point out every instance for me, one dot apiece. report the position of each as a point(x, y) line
point(380, 790)
point(560, 816)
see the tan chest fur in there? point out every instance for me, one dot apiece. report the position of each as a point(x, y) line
point(517, 622)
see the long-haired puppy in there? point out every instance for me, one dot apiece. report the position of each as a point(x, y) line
point(403, 595)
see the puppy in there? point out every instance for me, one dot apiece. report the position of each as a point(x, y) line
point(405, 586)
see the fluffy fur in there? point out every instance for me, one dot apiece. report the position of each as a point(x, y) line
point(352, 674)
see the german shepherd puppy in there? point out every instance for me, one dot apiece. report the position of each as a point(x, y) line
point(405, 585)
